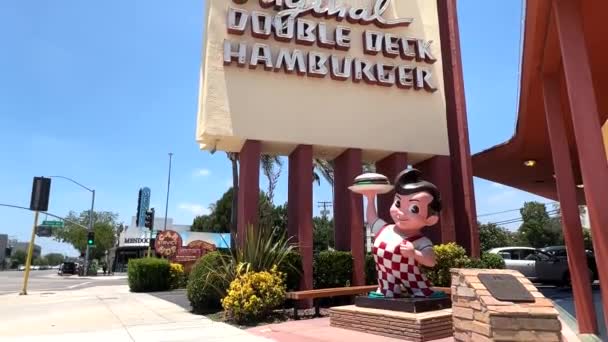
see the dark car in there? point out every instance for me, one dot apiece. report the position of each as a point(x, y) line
point(560, 252)
point(68, 268)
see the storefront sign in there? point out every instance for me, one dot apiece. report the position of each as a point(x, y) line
point(136, 241)
point(333, 74)
point(167, 243)
point(288, 26)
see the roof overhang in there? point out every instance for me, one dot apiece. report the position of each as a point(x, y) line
point(505, 163)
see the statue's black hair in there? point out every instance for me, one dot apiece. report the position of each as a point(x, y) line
point(408, 182)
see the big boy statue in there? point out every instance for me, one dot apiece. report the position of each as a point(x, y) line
point(400, 249)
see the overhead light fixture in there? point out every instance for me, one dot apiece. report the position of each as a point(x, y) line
point(580, 186)
point(530, 163)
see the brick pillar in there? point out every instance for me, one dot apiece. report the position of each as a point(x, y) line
point(571, 223)
point(299, 221)
point(587, 130)
point(348, 212)
point(249, 188)
point(437, 171)
point(465, 213)
point(390, 167)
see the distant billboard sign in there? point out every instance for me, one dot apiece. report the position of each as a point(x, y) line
point(143, 206)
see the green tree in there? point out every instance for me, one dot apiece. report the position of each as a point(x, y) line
point(493, 236)
point(105, 226)
point(538, 229)
point(218, 221)
point(323, 234)
point(18, 258)
point(54, 259)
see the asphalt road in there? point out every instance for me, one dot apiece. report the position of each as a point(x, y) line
point(50, 281)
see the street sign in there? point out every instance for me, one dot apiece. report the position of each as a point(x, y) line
point(56, 224)
point(44, 231)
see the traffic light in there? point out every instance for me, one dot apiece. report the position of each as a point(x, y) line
point(91, 239)
point(149, 221)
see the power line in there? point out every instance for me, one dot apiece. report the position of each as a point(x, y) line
point(509, 211)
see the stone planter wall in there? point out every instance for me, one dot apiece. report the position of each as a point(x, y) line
point(478, 316)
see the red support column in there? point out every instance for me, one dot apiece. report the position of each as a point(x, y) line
point(587, 129)
point(299, 220)
point(571, 223)
point(437, 171)
point(348, 212)
point(465, 213)
point(249, 187)
point(390, 167)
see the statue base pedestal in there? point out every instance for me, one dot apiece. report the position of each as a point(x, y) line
point(424, 326)
point(413, 305)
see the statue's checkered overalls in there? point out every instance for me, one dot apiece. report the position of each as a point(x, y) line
point(395, 270)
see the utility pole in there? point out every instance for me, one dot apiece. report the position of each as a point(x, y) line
point(324, 205)
point(168, 187)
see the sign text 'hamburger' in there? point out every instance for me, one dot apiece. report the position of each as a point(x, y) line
point(288, 25)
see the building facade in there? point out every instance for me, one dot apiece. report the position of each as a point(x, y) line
point(559, 149)
point(133, 242)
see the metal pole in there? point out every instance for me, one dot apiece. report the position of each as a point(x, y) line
point(90, 229)
point(30, 251)
point(168, 187)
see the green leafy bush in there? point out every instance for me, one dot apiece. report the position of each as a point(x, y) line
point(371, 275)
point(178, 277)
point(204, 287)
point(254, 295)
point(149, 275)
point(333, 269)
point(448, 256)
point(492, 261)
point(291, 267)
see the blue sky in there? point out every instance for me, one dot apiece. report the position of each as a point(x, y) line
point(102, 91)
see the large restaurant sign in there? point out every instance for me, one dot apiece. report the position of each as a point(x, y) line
point(287, 24)
point(168, 245)
point(334, 74)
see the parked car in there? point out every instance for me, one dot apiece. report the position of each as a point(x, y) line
point(534, 264)
point(68, 268)
point(562, 253)
point(21, 268)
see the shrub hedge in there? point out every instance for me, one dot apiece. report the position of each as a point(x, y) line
point(291, 267)
point(254, 295)
point(332, 269)
point(149, 275)
point(448, 256)
point(203, 286)
point(371, 275)
point(178, 277)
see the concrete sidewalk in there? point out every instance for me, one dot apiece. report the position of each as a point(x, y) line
point(107, 313)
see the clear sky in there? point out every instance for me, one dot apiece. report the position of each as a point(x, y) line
point(101, 91)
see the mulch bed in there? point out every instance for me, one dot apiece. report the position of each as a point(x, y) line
point(278, 316)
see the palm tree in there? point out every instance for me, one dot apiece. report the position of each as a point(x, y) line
point(234, 159)
point(268, 163)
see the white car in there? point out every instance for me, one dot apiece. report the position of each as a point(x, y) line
point(534, 264)
point(21, 268)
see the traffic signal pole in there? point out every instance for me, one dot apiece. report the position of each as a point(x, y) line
point(30, 251)
point(90, 229)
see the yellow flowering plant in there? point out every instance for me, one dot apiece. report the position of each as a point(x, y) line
point(253, 295)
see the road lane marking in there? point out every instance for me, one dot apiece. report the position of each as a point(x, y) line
point(81, 284)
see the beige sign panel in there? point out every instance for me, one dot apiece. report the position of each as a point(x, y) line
point(334, 74)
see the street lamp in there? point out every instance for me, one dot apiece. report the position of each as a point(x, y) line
point(168, 187)
point(90, 229)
